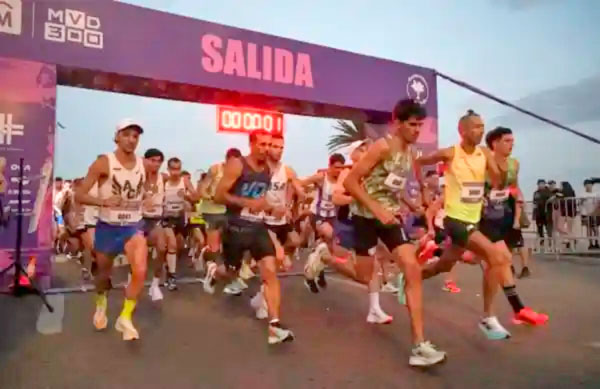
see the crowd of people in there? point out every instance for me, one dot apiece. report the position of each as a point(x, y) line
point(555, 208)
point(251, 214)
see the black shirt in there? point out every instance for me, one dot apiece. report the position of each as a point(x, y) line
point(540, 198)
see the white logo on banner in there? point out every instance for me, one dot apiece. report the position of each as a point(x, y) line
point(8, 129)
point(11, 16)
point(417, 88)
point(70, 25)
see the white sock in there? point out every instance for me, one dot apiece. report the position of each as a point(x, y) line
point(171, 262)
point(155, 282)
point(374, 302)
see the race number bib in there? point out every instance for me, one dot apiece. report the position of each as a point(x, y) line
point(247, 214)
point(471, 192)
point(395, 182)
point(498, 196)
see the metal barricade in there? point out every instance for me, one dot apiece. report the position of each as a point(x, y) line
point(568, 225)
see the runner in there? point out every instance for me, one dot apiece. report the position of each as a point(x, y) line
point(242, 188)
point(214, 215)
point(120, 177)
point(178, 190)
point(464, 192)
point(377, 182)
point(152, 217)
point(278, 222)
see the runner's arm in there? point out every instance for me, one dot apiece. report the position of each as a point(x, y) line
point(98, 169)
point(352, 183)
point(192, 195)
point(493, 170)
point(518, 196)
point(205, 183)
point(430, 213)
point(314, 179)
point(231, 172)
point(296, 184)
point(441, 155)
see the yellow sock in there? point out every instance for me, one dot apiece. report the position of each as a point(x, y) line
point(128, 307)
point(101, 301)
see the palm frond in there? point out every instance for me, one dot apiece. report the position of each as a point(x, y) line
point(348, 133)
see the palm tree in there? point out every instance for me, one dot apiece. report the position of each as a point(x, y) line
point(348, 132)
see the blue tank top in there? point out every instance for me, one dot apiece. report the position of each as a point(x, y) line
point(250, 184)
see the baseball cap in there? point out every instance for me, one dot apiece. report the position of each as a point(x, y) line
point(125, 123)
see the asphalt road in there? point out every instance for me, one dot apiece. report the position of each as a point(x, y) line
point(193, 340)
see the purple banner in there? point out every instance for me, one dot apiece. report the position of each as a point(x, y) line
point(27, 119)
point(121, 38)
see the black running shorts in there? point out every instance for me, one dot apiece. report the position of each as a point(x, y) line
point(367, 231)
point(459, 231)
point(281, 231)
point(238, 239)
point(215, 221)
point(177, 224)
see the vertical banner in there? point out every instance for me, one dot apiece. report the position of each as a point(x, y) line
point(27, 121)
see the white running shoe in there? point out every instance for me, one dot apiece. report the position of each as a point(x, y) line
point(389, 288)
point(243, 285)
point(125, 326)
point(100, 319)
point(492, 328)
point(245, 272)
point(233, 288)
point(279, 334)
point(155, 293)
point(313, 265)
point(426, 354)
point(323, 251)
point(379, 318)
point(259, 304)
point(210, 277)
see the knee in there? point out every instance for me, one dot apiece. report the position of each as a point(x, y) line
point(269, 271)
point(412, 270)
point(139, 269)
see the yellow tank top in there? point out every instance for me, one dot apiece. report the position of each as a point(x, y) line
point(465, 179)
point(208, 205)
point(196, 216)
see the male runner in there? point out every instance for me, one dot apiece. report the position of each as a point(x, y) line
point(278, 222)
point(214, 214)
point(178, 189)
point(120, 176)
point(242, 188)
point(377, 182)
point(152, 217)
point(508, 202)
point(463, 200)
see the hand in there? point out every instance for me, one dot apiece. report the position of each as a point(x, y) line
point(258, 205)
point(111, 202)
point(147, 204)
point(384, 216)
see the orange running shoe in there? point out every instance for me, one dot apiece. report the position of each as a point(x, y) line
point(450, 286)
point(529, 316)
point(427, 251)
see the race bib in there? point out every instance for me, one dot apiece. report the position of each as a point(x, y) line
point(471, 192)
point(395, 182)
point(498, 196)
point(247, 214)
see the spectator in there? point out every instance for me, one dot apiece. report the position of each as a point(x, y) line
point(589, 213)
point(568, 209)
point(540, 214)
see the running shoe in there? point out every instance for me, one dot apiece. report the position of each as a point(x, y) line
point(125, 326)
point(209, 279)
point(311, 285)
point(401, 295)
point(313, 265)
point(389, 288)
point(525, 273)
point(379, 318)
point(155, 293)
point(529, 316)
point(426, 354)
point(245, 272)
point(243, 285)
point(279, 334)
point(171, 282)
point(427, 251)
point(492, 328)
point(100, 319)
point(259, 305)
point(321, 281)
point(450, 286)
point(233, 288)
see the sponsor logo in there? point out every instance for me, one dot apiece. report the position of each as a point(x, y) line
point(11, 16)
point(73, 26)
point(417, 88)
point(8, 129)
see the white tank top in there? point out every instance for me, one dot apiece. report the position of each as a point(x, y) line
point(322, 205)
point(90, 212)
point(277, 194)
point(129, 185)
point(174, 204)
point(157, 191)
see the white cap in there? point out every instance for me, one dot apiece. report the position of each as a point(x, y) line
point(123, 124)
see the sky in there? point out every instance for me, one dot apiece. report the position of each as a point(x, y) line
point(541, 54)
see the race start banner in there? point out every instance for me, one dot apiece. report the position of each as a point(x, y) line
point(27, 122)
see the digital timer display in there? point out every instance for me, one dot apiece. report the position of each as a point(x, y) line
point(246, 120)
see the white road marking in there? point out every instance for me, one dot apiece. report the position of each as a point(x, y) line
point(49, 323)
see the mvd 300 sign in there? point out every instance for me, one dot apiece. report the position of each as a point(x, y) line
point(246, 120)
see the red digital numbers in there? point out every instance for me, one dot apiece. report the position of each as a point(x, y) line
point(246, 120)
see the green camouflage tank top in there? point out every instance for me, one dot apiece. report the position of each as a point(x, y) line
point(387, 181)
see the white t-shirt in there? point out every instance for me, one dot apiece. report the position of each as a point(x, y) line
point(591, 201)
